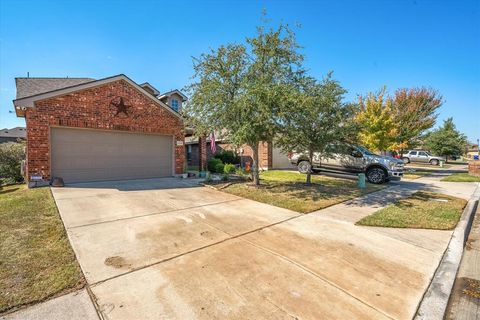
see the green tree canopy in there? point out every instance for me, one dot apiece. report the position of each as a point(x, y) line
point(319, 118)
point(11, 156)
point(240, 89)
point(446, 140)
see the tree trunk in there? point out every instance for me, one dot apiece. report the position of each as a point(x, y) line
point(309, 173)
point(255, 171)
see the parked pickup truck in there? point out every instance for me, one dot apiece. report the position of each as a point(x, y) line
point(352, 159)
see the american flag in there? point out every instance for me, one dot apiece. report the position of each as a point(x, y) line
point(213, 146)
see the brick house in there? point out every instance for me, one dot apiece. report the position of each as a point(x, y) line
point(83, 129)
point(270, 157)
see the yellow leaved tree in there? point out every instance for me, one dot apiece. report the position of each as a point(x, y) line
point(375, 122)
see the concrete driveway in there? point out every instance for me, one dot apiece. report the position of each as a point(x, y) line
point(169, 249)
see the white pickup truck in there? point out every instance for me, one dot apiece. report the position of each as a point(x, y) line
point(352, 159)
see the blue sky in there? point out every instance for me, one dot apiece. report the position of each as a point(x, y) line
point(367, 44)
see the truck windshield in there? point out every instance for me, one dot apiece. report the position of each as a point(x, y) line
point(365, 151)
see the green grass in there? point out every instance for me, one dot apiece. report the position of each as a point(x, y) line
point(461, 177)
point(288, 190)
point(426, 210)
point(36, 260)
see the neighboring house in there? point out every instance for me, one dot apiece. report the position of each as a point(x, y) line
point(13, 135)
point(83, 129)
point(270, 157)
point(472, 151)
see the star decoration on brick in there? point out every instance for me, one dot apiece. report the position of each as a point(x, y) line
point(121, 106)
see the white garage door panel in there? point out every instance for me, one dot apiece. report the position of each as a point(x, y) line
point(92, 155)
point(280, 159)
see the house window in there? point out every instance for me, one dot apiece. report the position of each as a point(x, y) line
point(175, 104)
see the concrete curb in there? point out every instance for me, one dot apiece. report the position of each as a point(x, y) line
point(435, 299)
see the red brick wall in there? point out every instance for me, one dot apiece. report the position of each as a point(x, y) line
point(474, 168)
point(202, 153)
point(264, 153)
point(91, 108)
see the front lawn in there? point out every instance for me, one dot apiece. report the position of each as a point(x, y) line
point(461, 177)
point(36, 260)
point(426, 210)
point(287, 189)
point(411, 174)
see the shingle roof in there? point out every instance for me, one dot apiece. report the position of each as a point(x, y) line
point(17, 132)
point(27, 87)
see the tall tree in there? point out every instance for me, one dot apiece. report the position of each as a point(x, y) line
point(446, 140)
point(240, 89)
point(414, 112)
point(375, 121)
point(319, 118)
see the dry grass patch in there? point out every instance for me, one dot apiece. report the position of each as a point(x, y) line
point(287, 189)
point(461, 177)
point(425, 210)
point(36, 260)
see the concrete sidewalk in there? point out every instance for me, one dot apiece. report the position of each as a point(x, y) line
point(72, 306)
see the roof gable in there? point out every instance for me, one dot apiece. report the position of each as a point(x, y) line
point(176, 91)
point(22, 104)
point(148, 86)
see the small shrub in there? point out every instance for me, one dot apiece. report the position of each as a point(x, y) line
point(229, 168)
point(219, 167)
point(227, 156)
point(225, 177)
point(11, 156)
point(240, 171)
point(212, 164)
point(243, 173)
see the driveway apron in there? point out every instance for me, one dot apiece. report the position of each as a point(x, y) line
point(171, 249)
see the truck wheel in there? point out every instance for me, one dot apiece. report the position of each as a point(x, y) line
point(376, 175)
point(406, 160)
point(304, 166)
point(434, 162)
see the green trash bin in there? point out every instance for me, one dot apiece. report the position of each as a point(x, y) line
point(361, 180)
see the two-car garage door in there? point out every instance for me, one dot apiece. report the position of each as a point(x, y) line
point(93, 155)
